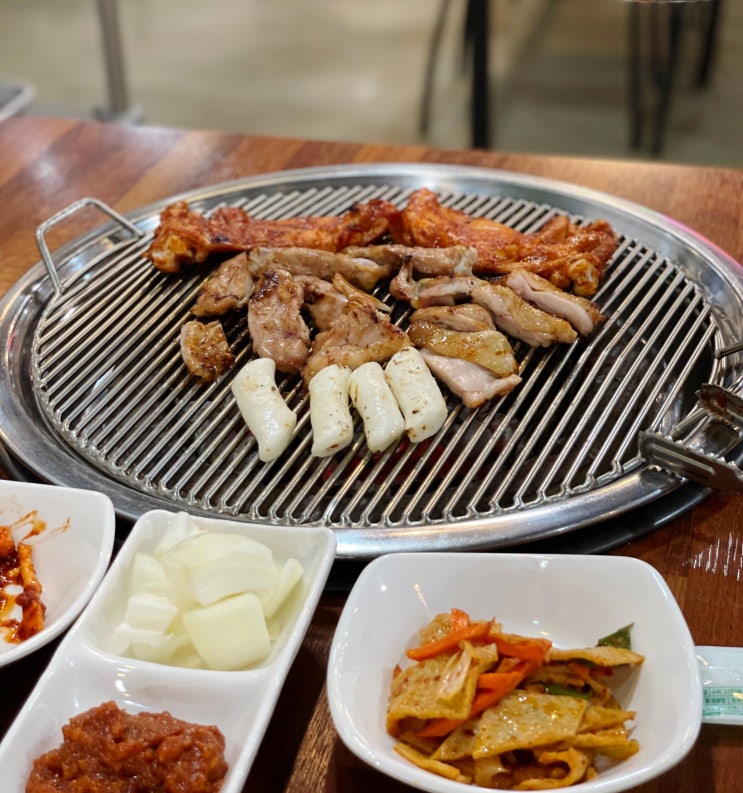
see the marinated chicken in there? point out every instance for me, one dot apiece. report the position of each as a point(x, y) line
point(185, 238)
point(361, 334)
point(205, 350)
point(227, 289)
point(581, 313)
point(275, 321)
point(487, 348)
point(473, 384)
point(514, 316)
point(563, 252)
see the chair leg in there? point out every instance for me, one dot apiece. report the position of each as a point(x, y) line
point(424, 121)
point(712, 15)
point(480, 100)
point(636, 98)
point(667, 77)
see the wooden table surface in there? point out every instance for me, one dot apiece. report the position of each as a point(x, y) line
point(47, 164)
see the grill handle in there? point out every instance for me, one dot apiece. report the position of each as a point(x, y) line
point(42, 230)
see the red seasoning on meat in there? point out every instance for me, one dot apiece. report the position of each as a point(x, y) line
point(106, 750)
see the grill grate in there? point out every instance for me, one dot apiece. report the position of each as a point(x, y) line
point(109, 378)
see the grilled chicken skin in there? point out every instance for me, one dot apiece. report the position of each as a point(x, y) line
point(581, 313)
point(473, 384)
point(487, 348)
point(514, 316)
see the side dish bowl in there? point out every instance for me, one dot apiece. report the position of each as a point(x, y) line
point(571, 600)
point(85, 673)
point(71, 550)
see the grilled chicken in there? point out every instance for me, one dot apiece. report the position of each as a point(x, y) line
point(362, 273)
point(227, 289)
point(487, 348)
point(446, 291)
point(325, 301)
point(275, 321)
point(513, 315)
point(185, 238)
point(562, 252)
point(465, 317)
point(360, 334)
point(205, 350)
point(473, 384)
point(582, 314)
point(454, 260)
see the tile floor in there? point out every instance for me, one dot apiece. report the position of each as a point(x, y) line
point(354, 70)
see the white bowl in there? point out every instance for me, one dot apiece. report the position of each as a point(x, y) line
point(572, 600)
point(70, 555)
point(83, 673)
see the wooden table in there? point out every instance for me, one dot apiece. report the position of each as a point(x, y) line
point(47, 164)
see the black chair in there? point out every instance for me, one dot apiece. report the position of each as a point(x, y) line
point(658, 29)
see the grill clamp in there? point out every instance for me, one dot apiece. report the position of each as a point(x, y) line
point(726, 409)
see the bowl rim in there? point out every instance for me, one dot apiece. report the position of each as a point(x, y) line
point(406, 772)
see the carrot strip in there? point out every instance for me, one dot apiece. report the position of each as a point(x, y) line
point(459, 619)
point(476, 630)
point(523, 648)
point(579, 670)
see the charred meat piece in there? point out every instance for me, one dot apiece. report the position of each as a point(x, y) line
point(454, 260)
point(467, 317)
point(513, 315)
point(275, 321)
point(487, 348)
point(581, 313)
point(186, 238)
point(205, 350)
point(228, 288)
point(562, 251)
point(362, 273)
point(473, 384)
point(360, 334)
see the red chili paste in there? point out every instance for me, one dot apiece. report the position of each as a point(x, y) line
point(106, 750)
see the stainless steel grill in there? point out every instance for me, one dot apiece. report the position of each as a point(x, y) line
point(559, 452)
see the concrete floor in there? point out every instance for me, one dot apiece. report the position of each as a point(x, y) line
point(354, 70)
